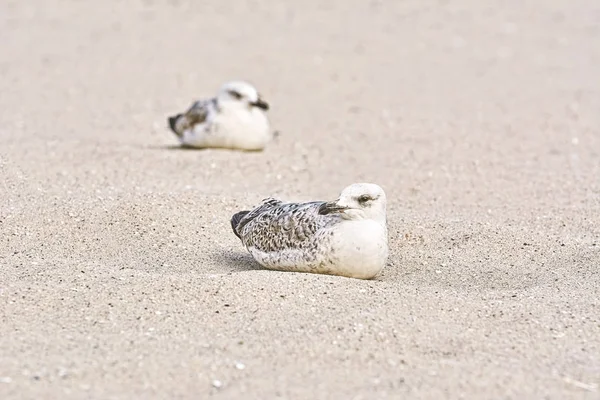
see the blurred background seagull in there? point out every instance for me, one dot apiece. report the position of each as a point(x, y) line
point(234, 119)
point(346, 237)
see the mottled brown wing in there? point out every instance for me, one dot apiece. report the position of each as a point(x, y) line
point(275, 226)
point(196, 114)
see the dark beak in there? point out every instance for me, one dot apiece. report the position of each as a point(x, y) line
point(260, 103)
point(330, 208)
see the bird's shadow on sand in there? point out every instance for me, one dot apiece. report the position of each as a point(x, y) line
point(182, 147)
point(175, 147)
point(237, 261)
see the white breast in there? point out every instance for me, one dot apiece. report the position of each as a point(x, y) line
point(239, 129)
point(360, 248)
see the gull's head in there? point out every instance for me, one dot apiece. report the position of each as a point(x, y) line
point(241, 94)
point(358, 201)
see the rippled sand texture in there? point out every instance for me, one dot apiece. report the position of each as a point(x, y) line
point(120, 277)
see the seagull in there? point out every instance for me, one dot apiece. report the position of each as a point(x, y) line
point(234, 119)
point(346, 237)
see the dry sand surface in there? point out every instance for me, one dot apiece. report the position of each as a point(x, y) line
point(121, 278)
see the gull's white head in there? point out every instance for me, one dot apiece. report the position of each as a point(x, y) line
point(359, 201)
point(241, 94)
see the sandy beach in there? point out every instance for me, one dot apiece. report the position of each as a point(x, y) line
point(120, 277)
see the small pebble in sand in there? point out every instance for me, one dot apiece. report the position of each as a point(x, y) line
point(217, 383)
point(240, 365)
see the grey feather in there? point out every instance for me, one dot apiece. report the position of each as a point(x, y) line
point(235, 221)
point(275, 226)
point(196, 114)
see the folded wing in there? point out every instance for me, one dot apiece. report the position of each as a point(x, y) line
point(198, 113)
point(274, 225)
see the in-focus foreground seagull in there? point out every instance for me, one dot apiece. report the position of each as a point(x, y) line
point(346, 237)
point(234, 119)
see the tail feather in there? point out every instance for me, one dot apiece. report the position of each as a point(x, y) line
point(173, 123)
point(235, 221)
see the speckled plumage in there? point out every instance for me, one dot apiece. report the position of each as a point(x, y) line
point(309, 237)
point(197, 114)
point(275, 226)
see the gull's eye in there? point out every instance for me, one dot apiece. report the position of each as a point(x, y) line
point(364, 198)
point(235, 94)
